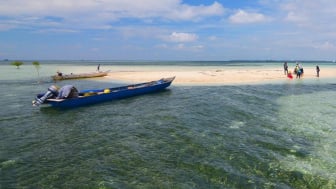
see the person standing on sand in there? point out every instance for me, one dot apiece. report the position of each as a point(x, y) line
point(297, 71)
point(285, 68)
point(317, 71)
point(98, 67)
point(301, 69)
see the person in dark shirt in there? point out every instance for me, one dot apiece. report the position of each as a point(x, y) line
point(285, 68)
point(317, 71)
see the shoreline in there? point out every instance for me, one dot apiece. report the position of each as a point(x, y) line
point(215, 75)
point(202, 75)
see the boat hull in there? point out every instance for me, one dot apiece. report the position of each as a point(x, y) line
point(88, 97)
point(79, 76)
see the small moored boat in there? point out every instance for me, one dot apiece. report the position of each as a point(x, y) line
point(61, 76)
point(92, 96)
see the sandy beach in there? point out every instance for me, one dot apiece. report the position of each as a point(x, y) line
point(215, 75)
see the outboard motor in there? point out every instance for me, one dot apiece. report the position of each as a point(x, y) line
point(52, 91)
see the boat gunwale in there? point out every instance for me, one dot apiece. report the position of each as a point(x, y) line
point(80, 75)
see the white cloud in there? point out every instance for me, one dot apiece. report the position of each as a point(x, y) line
point(198, 47)
point(95, 49)
point(186, 12)
point(6, 26)
point(184, 47)
point(212, 38)
point(326, 46)
point(180, 46)
point(162, 46)
point(311, 13)
point(182, 37)
point(57, 31)
point(294, 17)
point(242, 17)
point(99, 13)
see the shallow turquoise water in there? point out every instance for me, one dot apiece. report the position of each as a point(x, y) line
point(278, 135)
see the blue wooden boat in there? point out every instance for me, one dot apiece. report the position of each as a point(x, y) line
point(93, 96)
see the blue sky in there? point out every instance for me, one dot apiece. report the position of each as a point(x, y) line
point(168, 29)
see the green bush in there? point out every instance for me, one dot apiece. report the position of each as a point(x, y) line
point(17, 64)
